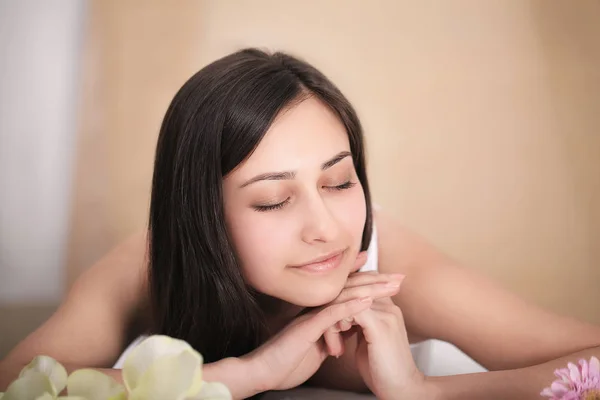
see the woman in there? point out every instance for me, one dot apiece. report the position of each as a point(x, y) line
point(260, 215)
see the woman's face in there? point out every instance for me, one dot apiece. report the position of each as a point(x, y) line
point(295, 208)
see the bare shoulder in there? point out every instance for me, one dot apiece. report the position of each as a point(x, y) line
point(104, 308)
point(402, 250)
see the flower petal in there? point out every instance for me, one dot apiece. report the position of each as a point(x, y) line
point(94, 385)
point(574, 373)
point(563, 374)
point(559, 388)
point(583, 365)
point(594, 368)
point(212, 391)
point(45, 396)
point(49, 367)
point(70, 398)
point(29, 387)
point(144, 355)
point(197, 383)
point(169, 377)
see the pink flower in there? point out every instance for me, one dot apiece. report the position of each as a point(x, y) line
point(580, 382)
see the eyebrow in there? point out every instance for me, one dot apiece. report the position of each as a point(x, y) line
point(288, 175)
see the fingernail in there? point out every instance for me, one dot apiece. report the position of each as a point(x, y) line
point(366, 300)
point(392, 285)
point(397, 276)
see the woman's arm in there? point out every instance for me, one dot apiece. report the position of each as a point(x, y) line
point(93, 324)
point(105, 309)
point(233, 372)
point(442, 300)
point(520, 383)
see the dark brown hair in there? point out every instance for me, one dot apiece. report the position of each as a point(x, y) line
point(213, 123)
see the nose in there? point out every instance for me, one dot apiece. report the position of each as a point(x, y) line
point(320, 225)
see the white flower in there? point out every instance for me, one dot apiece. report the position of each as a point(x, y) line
point(160, 368)
point(32, 386)
point(49, 367)
point(42, 379)
point(90, 384)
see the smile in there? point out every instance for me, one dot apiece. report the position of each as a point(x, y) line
point(323, 264)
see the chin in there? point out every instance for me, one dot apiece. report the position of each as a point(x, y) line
point(311, 290)
point(317, 295)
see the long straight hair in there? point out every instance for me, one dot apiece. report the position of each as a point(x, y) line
point(214, 122)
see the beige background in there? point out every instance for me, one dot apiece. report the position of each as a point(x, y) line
point(482, 121)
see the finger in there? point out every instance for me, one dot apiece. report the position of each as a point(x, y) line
point(365, 278)
point(313, 328)
point(334, 342)
point(322, 350)
point(345, 324)
point(350, 333)
point(361, 259)
point(370, 325)
point(388, 300)
point(395, 283)
point(376, 291)
point(389, 308)
point(383, 324)
point(383, 301)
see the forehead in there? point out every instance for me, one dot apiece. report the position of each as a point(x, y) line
point(303, 136)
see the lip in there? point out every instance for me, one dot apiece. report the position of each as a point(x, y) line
point(324, 263)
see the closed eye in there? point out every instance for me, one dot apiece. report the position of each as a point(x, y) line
point(278, 206)
point(271, 207)
point(343, 186)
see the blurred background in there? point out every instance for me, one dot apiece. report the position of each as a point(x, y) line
point(482, 121)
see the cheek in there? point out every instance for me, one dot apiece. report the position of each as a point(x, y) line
point(351, 212)
point(260, 242)
point(266, 242)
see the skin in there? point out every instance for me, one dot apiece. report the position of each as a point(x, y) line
point(319, 211)
point(437, 298)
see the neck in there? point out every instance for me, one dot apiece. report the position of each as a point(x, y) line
point(278, 313)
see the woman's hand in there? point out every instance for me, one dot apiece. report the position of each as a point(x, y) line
point(293, 355)
point(383, 355)
point(360, 284)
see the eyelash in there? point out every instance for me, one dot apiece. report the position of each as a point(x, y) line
point(343, 186)
point(273, 207)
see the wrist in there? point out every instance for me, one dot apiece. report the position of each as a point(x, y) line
point(420, 387)
point(251, 367)
point(431, 389)
point(235, 373)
